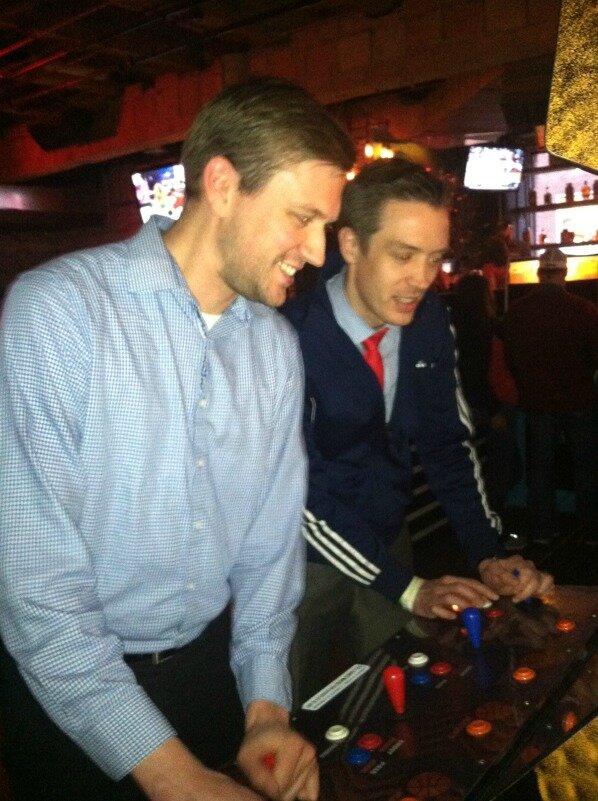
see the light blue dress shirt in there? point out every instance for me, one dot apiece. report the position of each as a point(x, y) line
point(357, 330)
point(152, 471)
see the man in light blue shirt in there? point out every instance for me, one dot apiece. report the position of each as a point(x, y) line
point(153, 474)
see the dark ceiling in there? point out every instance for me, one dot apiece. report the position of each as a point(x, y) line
point(65, 61)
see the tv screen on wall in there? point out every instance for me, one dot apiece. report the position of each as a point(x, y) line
point(493, 168)
point(160, 191)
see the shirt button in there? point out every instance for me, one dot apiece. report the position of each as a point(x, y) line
point(203, 403)
point(200, 463)
point(197, 525)
point(191, 585)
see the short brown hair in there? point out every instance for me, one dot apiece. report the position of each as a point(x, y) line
point(262, 126)
point(383, 180)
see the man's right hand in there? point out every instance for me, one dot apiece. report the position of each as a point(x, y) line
point(447, 596)
point(172, 773)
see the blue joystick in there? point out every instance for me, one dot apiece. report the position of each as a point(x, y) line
point(472, 619)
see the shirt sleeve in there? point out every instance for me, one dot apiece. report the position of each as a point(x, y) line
point(51, 618)
point(268, 579)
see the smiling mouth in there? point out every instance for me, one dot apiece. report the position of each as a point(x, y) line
point(287, 269)
point(407, 301)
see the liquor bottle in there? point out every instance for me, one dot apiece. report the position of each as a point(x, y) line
point(532, 197)
point(595, 189)
point(569, 193)
point(585, 190)
point(547, 197)
point(542, 238)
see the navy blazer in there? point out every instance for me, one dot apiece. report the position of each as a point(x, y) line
point(361, 467)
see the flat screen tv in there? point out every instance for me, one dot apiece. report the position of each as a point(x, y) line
point(160, 191)
point(493, 168)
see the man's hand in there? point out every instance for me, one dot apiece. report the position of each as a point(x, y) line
point(172, 773)
point(515, 576)
point(277, 761)
point(446, 596)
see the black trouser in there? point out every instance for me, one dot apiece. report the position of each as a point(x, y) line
point(194, 688)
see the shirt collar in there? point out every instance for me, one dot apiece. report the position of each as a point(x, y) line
point(153, 269)
point(352, 324)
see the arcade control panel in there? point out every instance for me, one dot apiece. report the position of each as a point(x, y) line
point(456, 711)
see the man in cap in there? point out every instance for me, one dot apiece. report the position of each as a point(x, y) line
point(551, 340)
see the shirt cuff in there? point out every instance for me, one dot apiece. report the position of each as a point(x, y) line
point(407, 599)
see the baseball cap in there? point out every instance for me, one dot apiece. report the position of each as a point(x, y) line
point(552, 259)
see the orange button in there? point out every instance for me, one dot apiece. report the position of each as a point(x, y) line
point(569, 721)
point(524, 675)
point(478, 728)
point(565, 624)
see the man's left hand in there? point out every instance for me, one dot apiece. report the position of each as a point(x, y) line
point(515, 576)
point(277, 760)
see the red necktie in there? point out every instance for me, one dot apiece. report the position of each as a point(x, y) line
point(372, 354)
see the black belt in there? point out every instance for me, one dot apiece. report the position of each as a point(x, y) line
point(155, 658)
point(217, 630)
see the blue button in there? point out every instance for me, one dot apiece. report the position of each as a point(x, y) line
point(357, 756)
point(421, 678)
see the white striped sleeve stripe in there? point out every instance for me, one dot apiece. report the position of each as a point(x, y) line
point(465, 417)
point(337, 550)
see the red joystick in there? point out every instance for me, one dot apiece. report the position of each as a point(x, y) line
point(394, 681)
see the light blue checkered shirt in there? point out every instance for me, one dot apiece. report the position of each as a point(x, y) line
point(151, 471)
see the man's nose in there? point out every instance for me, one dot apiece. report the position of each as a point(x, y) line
point(422, 273)
point(313, 249)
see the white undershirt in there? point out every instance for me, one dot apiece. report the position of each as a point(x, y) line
point(210, 319)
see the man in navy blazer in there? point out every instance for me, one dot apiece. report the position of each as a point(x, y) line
point(393, 234)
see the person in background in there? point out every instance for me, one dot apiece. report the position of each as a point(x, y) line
point(380, 378)
point(551, 342)
point(494, 262)
point(153, 477)
point(489, 388)
point(518, 250)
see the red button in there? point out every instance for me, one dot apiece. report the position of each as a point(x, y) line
point(494, 613)
point(370, 741)
point(440, 668)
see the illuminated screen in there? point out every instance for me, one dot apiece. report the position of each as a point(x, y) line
point(160, 191)
point(493, 168)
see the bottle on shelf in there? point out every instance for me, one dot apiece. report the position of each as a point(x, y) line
point(547, 197)
point(595, 189)
point(541, 238)
point(532, 198)
point(585, 190)
point(569, 192)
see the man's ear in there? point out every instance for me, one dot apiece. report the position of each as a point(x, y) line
point(220, 183)
point(348, 244)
